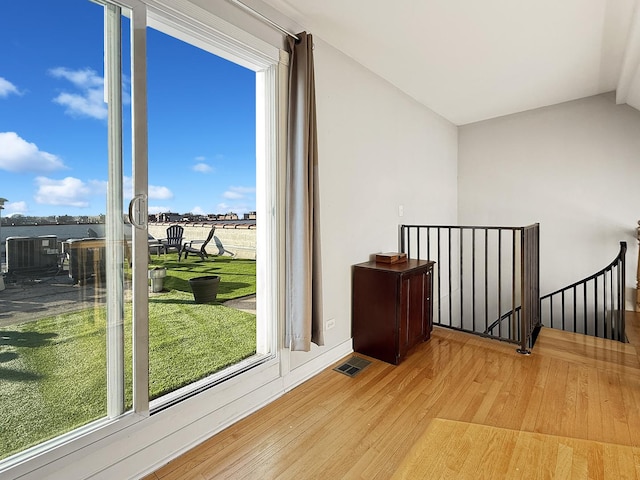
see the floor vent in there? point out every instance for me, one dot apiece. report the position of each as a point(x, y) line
point(353, 366)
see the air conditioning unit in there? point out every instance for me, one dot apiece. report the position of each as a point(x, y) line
point(87, 258)
point(32, 255)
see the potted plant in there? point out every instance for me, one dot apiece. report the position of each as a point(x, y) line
point(205, 289)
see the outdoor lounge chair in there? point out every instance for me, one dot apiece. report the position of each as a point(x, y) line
point(173, 240)
point(201, 251)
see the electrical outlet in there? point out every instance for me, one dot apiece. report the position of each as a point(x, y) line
point(330, 324)
point(400, 210)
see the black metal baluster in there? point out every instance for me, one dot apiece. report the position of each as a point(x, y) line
point(449, 265)
point(461, 241)
point(584, 312)
point(499, 281)
point(562, 297)
point(428, 243)
point(473, 278)
point(439, 290)
point(486, 278)
point(512, 325)
point(595, 296)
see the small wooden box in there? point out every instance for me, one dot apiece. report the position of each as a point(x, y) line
point(391, 257)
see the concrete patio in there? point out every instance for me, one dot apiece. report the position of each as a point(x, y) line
point(27, 300)
point(30, 299)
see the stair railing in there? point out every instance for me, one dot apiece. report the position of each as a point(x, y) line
point(479, 272)
point(593, 306)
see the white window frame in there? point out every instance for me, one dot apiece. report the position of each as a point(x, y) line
point(177, 19)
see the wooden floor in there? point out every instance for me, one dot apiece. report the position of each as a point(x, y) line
point(511, 454)
point(459, 406)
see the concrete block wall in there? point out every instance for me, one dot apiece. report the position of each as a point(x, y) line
point(240, 241)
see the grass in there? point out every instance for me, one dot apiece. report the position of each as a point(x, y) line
point(238, 276)
point(53, 373)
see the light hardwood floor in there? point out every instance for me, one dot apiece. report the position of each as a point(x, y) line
point(459, 406)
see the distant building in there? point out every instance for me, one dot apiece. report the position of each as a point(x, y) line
point(169, 217)
point(165, 217)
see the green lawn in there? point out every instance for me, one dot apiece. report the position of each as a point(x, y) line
point(52, 371)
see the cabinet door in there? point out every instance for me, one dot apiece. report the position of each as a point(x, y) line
point(413, 313)
point(428, 309)
point(374, 304)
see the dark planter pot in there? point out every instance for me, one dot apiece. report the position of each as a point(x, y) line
point(205, 289)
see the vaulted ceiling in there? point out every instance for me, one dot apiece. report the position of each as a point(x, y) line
point(472, 60)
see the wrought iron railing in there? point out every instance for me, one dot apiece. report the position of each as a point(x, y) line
point(593, 306)
point(480, 272)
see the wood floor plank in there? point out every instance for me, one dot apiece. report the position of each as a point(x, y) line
point(533, 455)
point(574, 406)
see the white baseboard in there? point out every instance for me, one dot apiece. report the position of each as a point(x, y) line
point(307, 370)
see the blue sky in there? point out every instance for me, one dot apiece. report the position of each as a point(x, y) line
point(53, 128)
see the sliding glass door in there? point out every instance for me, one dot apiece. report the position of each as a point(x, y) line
point(67, 253)
point(85, 340)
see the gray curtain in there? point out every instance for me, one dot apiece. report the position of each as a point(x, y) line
point(303, 263)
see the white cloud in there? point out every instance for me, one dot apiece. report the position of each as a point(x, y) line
point(200, 158)
point(198, 211)
point(238, 208)
point(159, 193)
point(241, 200)
point(89, 101)
point(202, 168)
point(69, 191)
point(88, 104)
point(236, 193)
point(14, 208)
point(155, 192)
point(153, 209)
point(7, 88)
point(18, 155)
point(232, 195)
point(86, 78)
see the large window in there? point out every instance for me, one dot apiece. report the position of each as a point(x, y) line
point(202, 176)
point(112, 121)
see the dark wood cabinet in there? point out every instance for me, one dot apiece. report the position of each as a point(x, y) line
point(391, 308)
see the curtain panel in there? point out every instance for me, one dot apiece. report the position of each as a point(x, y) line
point(304, 323)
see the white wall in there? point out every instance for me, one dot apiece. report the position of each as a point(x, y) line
point(378, 149)
point(573, 167)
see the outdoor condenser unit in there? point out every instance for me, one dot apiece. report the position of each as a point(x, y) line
point(87, 258)
point(32, 255)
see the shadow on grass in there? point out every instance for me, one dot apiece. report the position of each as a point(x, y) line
point(224, 288)
point(18, 376)
point(15, 338)
point(8, 356)
point(25, 339)
point(171, 301)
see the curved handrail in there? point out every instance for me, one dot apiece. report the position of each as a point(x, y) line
point(603, 312)
point(502, 318)
point(608, 268)
point(618, 260)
